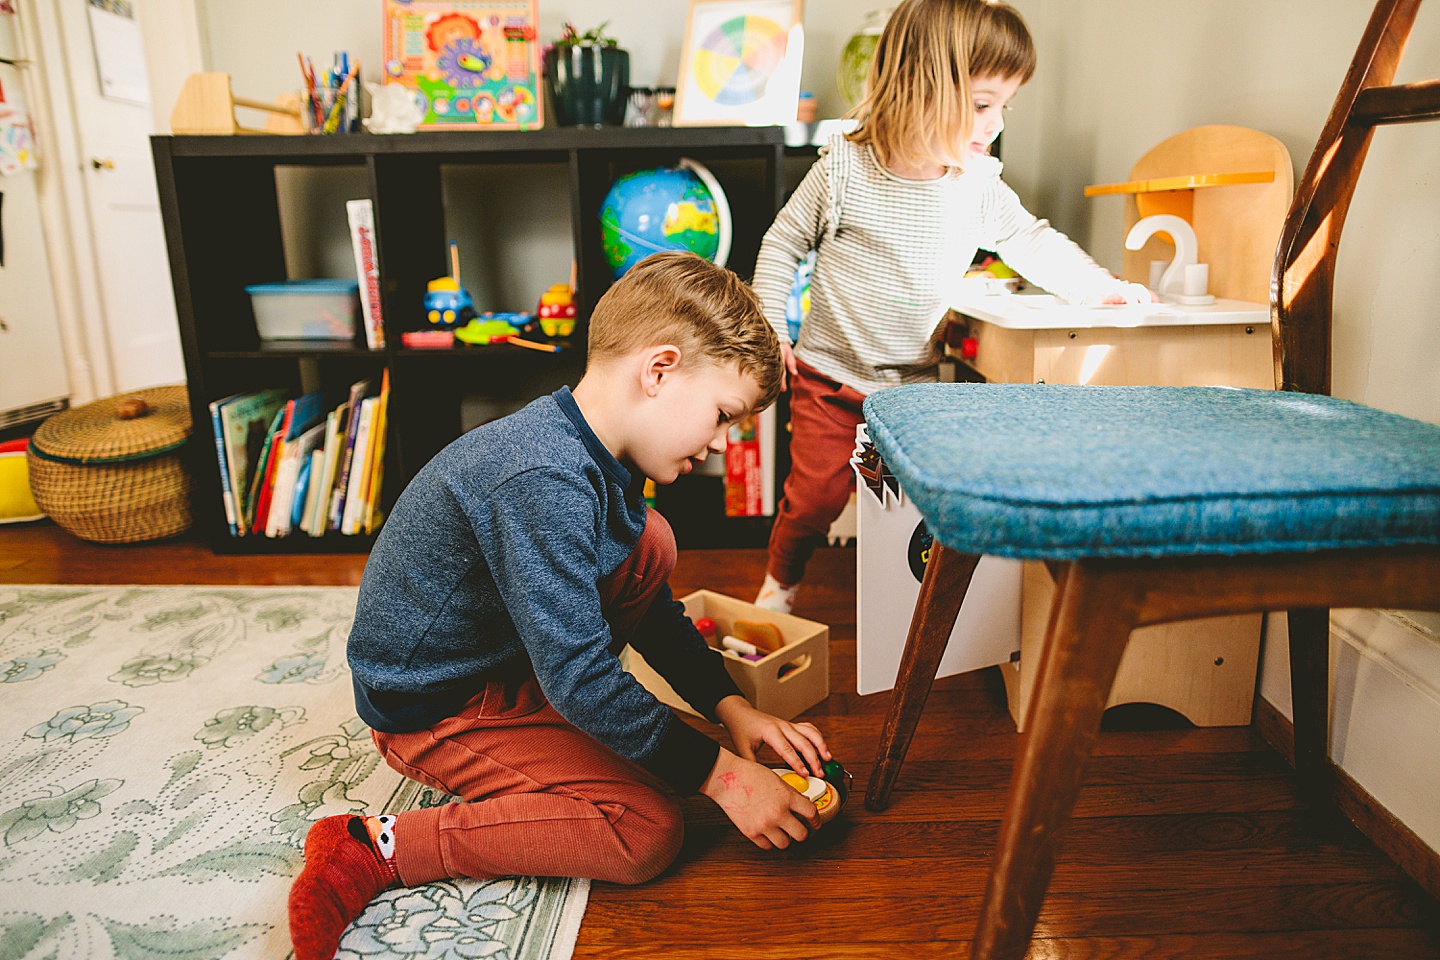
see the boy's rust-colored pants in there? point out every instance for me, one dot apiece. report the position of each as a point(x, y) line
point(823, 417)
point(543, 798)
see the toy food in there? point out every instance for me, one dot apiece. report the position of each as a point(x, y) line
point(765, 636)
point(708, 630)
point(822, 793)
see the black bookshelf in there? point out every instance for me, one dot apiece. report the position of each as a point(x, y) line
point(222, 214)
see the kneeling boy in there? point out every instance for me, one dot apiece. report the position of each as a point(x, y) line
point(512, 571)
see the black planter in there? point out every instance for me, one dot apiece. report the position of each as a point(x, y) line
point(588, 84)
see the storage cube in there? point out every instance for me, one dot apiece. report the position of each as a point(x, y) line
point(305, 309)
point(892, 549)
point(807, 647)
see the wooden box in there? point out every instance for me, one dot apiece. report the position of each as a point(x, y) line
point(807, 647)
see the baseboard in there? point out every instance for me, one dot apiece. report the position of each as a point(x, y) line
point(1393, 838)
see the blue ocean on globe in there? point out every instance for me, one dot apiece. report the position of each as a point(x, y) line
point(667, 208)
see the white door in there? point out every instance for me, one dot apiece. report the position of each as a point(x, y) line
point(137, 302)
point(33, 381)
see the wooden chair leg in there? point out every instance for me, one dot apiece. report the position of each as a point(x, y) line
point(1310, 697)
point(947, 577)
point(1097, 611)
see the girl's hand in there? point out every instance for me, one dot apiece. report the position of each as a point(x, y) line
point(788, 354)
point(760, 804)
point(800, 745)
point(1137, 295)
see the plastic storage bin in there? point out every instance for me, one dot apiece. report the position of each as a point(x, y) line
point(306, 309)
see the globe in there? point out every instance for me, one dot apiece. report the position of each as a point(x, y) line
point(666, 208)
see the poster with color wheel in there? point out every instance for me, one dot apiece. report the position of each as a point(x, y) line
point(740, 63)
point(472, 63)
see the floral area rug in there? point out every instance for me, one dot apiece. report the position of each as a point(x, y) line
point(163, 751)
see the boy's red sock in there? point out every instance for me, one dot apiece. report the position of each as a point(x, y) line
point(343, 873)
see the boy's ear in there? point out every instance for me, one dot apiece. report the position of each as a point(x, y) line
point(658, 363)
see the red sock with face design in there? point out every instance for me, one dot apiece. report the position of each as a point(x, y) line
point(344, 871)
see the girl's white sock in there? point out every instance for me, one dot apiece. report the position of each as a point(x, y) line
point(774, 595)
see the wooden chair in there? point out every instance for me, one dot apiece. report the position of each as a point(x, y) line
point(1158, 504)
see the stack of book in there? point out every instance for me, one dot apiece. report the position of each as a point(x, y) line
point(288, 464)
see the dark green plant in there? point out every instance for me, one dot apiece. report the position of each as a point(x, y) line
point(595, 36)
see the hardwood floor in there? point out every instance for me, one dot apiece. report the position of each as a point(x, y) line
point(1185, 843)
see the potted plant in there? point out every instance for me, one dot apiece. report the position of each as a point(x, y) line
point(587, 76)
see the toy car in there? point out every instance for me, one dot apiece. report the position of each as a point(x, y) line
point(447, 304)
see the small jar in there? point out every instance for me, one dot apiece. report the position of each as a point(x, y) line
point(855, 58)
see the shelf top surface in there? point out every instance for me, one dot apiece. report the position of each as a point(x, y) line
point(470, 142)
point(1041, 311)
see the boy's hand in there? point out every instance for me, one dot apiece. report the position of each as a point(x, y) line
point(800, 745)
point(760, 804)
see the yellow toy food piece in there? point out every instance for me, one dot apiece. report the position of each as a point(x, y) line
point(817, 791)
point(765, 636)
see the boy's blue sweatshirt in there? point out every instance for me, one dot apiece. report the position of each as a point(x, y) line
point(492, 554)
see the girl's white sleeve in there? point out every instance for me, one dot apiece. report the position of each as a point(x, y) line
point(796, 231)
point(1042, 254)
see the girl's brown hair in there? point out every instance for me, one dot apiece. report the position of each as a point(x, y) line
point(919, 81)
point(707, 311)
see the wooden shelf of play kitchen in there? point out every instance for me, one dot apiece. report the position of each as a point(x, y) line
point(222, 215)
point(806, 654)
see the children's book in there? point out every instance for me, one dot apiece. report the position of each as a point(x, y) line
point(306, 510)
point(262, 470)
point(358, 389)
point(227, 495)
point(473, 63)
point(245, 420)
point(335, 423)
point(294, 456)
point(750, 467)
point(370, 515)
point(355, 494)
point(299, 415)
point(367, 269)
point(302, 489)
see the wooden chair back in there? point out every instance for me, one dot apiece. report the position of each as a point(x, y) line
point(1303, 278)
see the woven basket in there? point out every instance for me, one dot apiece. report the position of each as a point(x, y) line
point(111, 471)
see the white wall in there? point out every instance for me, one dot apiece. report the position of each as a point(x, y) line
point(256, 41)
point(1119, 76)
point(1116, 77)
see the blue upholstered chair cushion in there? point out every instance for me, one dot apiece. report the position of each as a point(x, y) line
point(1051, 471)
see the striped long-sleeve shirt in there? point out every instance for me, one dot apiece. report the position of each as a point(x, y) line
point(889, 252)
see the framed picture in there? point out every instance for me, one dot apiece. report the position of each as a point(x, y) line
point(740, 64)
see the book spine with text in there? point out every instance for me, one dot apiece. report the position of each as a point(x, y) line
point(361, 214)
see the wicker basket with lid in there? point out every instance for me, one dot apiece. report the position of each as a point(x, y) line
point(112, 471)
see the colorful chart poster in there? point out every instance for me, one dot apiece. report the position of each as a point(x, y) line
point(474, 64)
point(740, 63)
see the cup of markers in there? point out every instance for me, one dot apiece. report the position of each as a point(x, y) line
point(330, 102)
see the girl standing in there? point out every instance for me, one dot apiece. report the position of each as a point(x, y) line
point(895, 211)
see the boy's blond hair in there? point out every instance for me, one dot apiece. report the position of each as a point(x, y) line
point(707, 311)
point(919, 80)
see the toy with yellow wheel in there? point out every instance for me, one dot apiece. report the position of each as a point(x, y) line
point(828, 795)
